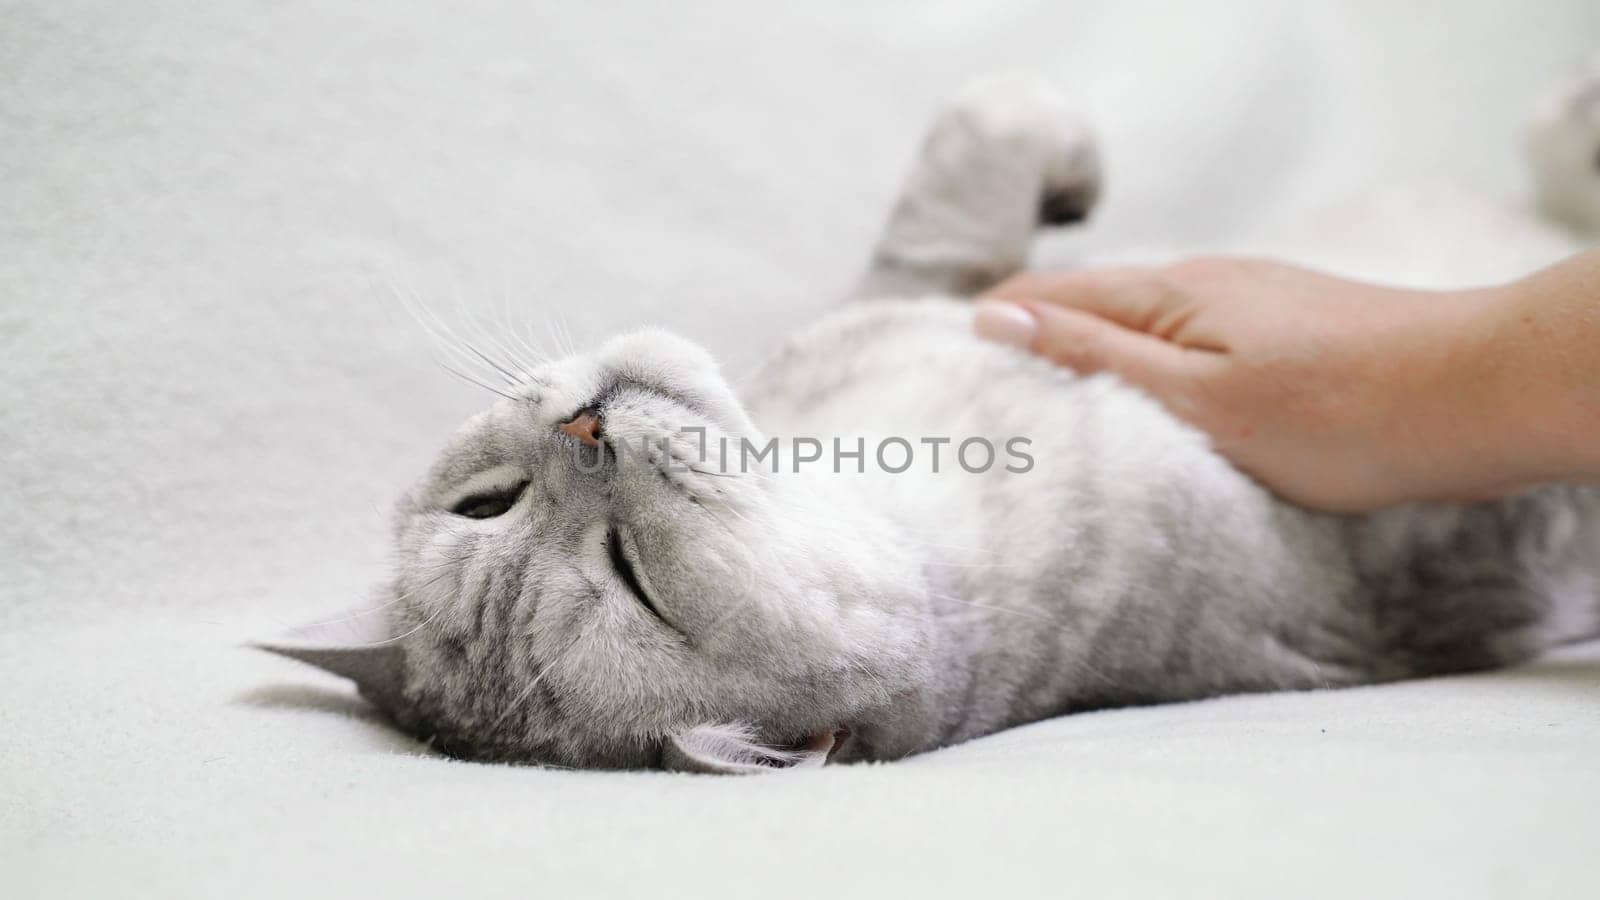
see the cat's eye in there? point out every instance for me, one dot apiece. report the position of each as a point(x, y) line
point(489, 504)
point(624, 569)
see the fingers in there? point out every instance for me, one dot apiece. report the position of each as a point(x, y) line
point(1132, 297)
point(1087, 343)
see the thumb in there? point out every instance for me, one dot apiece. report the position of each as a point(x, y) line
point(1086, 343)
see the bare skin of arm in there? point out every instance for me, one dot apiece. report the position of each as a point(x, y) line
point(1336, 394)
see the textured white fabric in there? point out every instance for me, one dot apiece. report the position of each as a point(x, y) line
point(209, 396)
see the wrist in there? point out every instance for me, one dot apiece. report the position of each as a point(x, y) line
point(1532, 400)
point(1550, 329)
point(1464, 409)
point(1494, 373)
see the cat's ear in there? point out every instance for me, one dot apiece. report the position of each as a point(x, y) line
point(358, 646)
point(734, 750)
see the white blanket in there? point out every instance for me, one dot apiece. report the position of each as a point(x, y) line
point(209, 396)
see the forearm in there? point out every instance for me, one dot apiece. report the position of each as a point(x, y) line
point(1540, 365)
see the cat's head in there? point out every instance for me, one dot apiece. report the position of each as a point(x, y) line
point(564, 596)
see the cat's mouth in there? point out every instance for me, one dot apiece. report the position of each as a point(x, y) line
point(839, 739)
point(829, 744)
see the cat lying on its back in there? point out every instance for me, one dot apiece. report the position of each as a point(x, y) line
point(896, 537)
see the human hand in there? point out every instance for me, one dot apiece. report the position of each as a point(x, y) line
point(1335, 394)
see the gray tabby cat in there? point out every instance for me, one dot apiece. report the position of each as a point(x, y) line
point(562, 600)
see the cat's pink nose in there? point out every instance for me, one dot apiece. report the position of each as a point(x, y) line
point(585, 426)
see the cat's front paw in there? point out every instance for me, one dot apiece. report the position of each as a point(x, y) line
point(1564, 151)
point(1022, 125)
point(1004, 156)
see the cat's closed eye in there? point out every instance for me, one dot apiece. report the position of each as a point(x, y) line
point(489, 504)
point(626, 571)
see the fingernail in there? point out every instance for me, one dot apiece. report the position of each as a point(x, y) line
point(1005, 323)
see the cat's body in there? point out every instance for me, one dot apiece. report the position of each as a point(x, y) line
point(1130, 564)
point(556, 605)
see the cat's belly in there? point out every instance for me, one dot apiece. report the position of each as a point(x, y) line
point(1161, 572)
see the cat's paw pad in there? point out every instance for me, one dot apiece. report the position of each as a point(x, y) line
point(1564, 151)
point(1022, 127)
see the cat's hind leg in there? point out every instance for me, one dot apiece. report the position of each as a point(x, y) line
point(1564, 151)
point(1003, 158)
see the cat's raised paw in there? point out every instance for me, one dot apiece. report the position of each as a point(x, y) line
point(1025, 128)
point(1003, 157)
